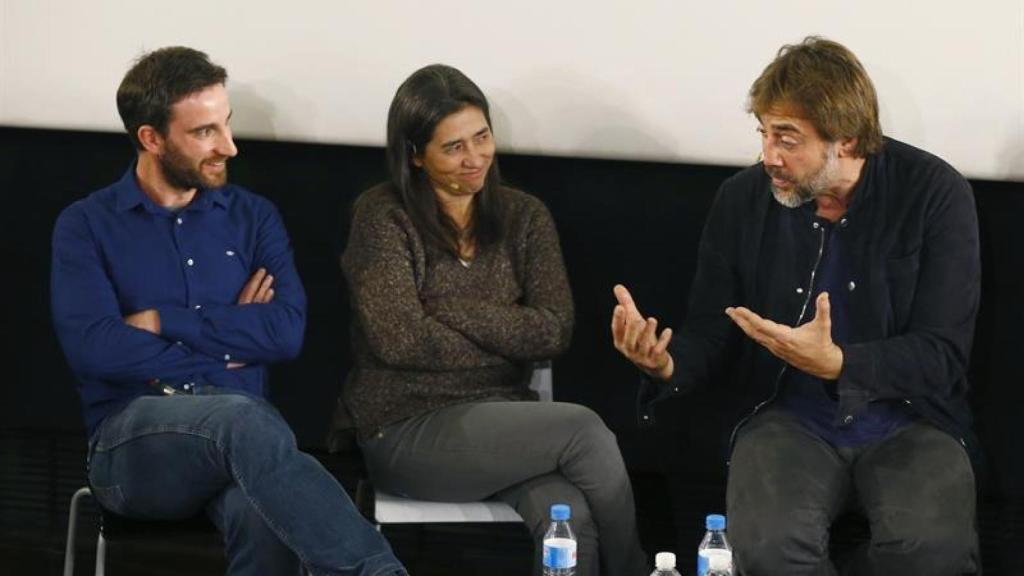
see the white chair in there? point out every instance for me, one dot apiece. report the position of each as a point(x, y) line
point(393, 509)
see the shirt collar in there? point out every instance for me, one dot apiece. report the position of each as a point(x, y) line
point(130, 195)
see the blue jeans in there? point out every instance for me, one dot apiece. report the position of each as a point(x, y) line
point(787, 485)
point(233, 455)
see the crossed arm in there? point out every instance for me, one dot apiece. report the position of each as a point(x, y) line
point(384, 264)
point(101, 342)
point(257, 290)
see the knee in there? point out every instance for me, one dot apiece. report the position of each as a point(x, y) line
point(590, 428)
point(933, 545)
point(776, 544)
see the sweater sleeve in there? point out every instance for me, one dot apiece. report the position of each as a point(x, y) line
point(380, 264)
point(539, 326)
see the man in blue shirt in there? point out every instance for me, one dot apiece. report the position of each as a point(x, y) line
point(171, 292)
point(837, 286)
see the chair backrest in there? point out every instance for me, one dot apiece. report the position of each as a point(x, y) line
point(542, 381)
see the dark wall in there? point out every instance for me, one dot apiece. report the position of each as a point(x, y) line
point(631, 222)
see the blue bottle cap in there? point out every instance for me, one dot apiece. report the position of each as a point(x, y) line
point(715, 522)
point(560, 512)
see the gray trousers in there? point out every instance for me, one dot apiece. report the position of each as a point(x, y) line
point(787, 485)
point(529, 454)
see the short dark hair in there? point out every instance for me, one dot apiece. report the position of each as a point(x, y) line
point(427, 97)
point(157, 81)
point(825, 83)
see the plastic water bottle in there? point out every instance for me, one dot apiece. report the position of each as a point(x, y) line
point(714, 545)
point(720, 565)
point(665, 564)
point(559, 544)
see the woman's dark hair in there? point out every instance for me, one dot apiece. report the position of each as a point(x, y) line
point(426, 98)
point(157, 81)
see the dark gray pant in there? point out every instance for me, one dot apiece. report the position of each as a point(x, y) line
point(787, 485)
point(530, 454)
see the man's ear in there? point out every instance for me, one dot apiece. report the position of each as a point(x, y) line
point(847, 147)
point(150, 138)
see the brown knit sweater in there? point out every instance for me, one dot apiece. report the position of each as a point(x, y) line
point(428, 331)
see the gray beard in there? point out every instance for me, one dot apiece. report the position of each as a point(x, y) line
point(794, 199)
point(817, 185)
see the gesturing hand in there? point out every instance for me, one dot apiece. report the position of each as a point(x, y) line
point(808, 348)
point(257, 289)
point(637, 338)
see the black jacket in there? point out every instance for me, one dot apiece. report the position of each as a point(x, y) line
point(911, 231)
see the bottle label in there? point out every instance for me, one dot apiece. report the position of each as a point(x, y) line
point(703, 559)
point(559, 553)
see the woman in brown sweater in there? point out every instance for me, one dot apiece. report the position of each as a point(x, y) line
point(457, 286)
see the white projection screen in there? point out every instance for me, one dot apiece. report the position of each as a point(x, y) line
point(642, 79)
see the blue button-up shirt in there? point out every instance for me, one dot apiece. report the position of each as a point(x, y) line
point(116, 252)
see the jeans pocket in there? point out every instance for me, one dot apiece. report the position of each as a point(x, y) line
point(109, 497)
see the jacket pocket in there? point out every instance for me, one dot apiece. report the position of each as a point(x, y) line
point(901, 275)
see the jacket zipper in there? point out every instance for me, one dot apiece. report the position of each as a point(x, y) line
point(778, 378)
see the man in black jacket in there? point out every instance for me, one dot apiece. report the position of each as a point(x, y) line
point(836, 289)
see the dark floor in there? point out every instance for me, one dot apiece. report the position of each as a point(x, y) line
point(39, 473)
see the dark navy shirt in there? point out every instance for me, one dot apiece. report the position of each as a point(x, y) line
point(116, 252)
point(815, 400)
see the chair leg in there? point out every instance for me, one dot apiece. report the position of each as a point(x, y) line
point(69, 550)
point(101, 554)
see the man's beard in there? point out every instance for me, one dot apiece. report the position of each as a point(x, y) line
point(810, 187)
point(180, 173)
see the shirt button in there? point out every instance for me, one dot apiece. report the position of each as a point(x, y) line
point(843, 222)
point(676, 389)
point(646, 417)
point(847, 419)
point(198, 306)
point(179, 221)
point(190, 262)
point(799, 290)
point(178, 342)
point(227, 357)
point(852, 285)
point(816, 225)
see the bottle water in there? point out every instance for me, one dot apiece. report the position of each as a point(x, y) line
point(559, 544)
point(714, 545)
point(665, 564)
